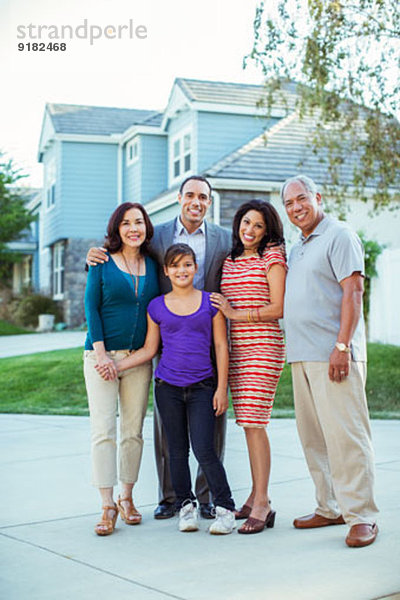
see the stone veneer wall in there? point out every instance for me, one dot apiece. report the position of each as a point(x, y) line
point(75, 280)
point(231, 200)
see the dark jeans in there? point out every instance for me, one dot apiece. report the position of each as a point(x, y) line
point(188, 411)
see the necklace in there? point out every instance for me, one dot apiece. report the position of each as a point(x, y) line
point(135, 278)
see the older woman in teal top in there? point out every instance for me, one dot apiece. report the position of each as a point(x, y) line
point(116, 299)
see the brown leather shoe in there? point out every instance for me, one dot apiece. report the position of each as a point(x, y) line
point(362, 534)
point(314, 520)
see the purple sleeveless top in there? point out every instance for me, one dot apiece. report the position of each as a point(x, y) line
point(186, 342)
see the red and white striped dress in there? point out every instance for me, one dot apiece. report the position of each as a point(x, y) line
point(257, 352)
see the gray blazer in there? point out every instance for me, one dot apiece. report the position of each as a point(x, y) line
point(218, 245)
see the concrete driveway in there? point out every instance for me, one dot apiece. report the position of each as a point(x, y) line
point(49, 549)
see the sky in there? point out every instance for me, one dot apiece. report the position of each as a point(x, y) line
point(204, 39)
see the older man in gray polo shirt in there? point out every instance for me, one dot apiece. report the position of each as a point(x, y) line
point(325, 341)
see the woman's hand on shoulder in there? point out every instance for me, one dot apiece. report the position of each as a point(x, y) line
point(220, 302)
point(220, 402)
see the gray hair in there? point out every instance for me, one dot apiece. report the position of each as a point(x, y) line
point(307, 182)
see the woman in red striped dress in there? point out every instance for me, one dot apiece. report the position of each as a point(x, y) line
point(253, 286)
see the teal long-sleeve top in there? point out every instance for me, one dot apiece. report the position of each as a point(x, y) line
point(114, 314)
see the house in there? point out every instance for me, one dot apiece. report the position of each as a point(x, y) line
point(97, 157)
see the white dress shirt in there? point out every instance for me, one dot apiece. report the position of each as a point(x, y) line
point(197, 242)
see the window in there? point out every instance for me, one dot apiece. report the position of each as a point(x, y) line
point(132, 152)
point(22, 275)
point(51, 196)
point(58, 270)
point(50, 184)
point(181, 155)
point(177, 158)
point(27, 271)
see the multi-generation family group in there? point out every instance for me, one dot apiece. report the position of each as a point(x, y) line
point(206, 305)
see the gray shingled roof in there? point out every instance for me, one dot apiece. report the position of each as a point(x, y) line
point(283, 153)
point(98, 120)
point(230, 93)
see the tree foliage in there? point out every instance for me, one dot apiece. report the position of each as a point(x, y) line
point(14, 217)
point(345, 57)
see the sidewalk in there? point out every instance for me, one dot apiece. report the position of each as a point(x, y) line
point(17, 345)
point(49, 549)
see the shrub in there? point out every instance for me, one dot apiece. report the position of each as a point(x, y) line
point(30, 307)
point(372, 250)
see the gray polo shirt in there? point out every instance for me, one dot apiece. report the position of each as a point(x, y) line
point(313, 295)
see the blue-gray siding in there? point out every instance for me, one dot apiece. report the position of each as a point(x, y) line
point(87, 191)
point(147, 177)
point(154, 151)
point(51, 221)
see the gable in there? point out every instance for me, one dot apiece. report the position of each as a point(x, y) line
point(46, 135)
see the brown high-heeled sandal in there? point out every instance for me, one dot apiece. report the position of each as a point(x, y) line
point(253, 525)
point(131, 516)
point(106, 526)
point(243, 513)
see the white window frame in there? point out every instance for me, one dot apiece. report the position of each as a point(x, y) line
point(181, 156)
point(58, 268)
point(133, 151)
point(27, 271)
point(50, 184)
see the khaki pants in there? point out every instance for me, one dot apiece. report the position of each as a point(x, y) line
point(132, 388)
point(333, 425)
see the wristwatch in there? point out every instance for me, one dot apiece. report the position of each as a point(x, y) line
point(342, 347)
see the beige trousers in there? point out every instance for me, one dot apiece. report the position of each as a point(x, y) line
point(132, 389)
point(333, 425)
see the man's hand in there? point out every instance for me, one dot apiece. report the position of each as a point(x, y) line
point(220, 402)
point(96, 256)
point(339, 365)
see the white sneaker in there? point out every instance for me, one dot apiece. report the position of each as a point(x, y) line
point(188, 518)
point(224, 521)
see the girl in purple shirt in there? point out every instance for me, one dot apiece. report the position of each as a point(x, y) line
point(187, 394)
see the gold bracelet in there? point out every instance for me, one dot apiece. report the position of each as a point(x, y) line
point(258, 314)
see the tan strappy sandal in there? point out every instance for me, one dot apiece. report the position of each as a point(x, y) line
point(131, 516)
point(106, 526)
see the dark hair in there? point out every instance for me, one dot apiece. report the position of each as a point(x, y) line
point(178, 250)
point(113, 240)
point(195, 178)
point(273, 235)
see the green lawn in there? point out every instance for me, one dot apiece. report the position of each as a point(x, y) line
point(52, 383)
point(7, 328)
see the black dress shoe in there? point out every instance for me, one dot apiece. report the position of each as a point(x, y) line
point(207, 510)
point(165, 511)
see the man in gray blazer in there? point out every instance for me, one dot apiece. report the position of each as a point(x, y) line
point(211, 245)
